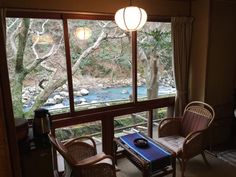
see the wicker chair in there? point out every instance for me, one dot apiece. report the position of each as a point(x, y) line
point(81, 158)
point(185, 135)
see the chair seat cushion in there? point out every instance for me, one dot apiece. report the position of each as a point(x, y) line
point(174, 143)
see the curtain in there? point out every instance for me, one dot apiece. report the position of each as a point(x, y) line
point(181, 28)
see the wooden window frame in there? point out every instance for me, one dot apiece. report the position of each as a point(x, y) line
point(105, 114)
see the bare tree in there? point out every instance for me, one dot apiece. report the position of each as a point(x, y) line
point(26, 64)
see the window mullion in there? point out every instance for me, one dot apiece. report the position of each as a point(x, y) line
point(134, 65)
point(68, 64)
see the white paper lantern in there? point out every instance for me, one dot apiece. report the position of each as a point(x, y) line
point(131, 18)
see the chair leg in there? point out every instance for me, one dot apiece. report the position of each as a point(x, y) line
point(182, 163)
point(56, 174)
point(204, 158)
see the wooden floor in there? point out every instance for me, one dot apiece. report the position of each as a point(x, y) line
point(195, 168)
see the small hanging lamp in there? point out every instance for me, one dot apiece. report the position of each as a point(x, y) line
point(131, 18)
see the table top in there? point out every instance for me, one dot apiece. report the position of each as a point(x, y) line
point(151, 152)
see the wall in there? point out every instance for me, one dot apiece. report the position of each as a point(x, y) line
point(213, 61)
point(220, 79)
point(200, 12)
point(153, 7)
point(4, 153)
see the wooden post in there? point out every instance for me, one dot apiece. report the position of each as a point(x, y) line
point(150, 123)
point(107, 135)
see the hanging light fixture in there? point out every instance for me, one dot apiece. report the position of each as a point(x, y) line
point(83, 33)
point(131, 18)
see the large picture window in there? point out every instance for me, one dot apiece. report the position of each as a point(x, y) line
point(73, 64)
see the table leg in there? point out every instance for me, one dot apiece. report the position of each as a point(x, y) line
point(114, 152)
point(174, 166)
point(145, 173)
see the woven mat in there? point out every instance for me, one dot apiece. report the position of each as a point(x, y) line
point(228, 156)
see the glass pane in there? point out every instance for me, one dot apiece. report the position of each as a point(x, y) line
point(155, 71)
point(36, 65)
point(158, 115)
point(130, 123)
point(101, 63)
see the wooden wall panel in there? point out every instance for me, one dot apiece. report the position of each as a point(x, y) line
point(153, 7)
point(220, 78)
point(4, 153)
point(199, 49)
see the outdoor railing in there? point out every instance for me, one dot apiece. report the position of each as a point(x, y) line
point(107, 115)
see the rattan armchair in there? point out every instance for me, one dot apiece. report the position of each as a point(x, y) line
point(185, 135)
point(81, 158)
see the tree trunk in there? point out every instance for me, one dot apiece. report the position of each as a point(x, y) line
point(152, 87)
point(20, 74)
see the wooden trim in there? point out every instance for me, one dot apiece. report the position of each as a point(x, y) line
point(68, 65)
point(36, 13)
point(5, 163)
point(8, 117)
point(150, 123)
point(134, 66)
point(99, 115)
point(107, 135)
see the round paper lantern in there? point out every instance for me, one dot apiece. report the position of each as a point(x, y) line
point(131, 18)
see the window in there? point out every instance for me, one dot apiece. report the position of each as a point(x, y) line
point(73, 64)
point(101, 63)
point(154, 58)
point(36, 65)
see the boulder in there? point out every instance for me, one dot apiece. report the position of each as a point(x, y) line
point(64, 94)
point(58, 98)
point(82, 100)
point(84, 92)
point(77, 93)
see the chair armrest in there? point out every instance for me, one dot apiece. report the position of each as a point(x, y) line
point(193, 144)
point(169, 126)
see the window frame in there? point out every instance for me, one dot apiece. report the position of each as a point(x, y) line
point(83, 116)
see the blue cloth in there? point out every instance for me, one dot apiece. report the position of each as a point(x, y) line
point(154, 154)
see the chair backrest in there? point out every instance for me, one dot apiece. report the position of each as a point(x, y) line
point(57, 145)
point(80, 150)
point(197, 116)
point(75, 167)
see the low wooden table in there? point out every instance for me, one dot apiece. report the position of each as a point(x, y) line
point(162, 166)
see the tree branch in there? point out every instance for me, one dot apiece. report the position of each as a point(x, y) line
point(13, 37)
